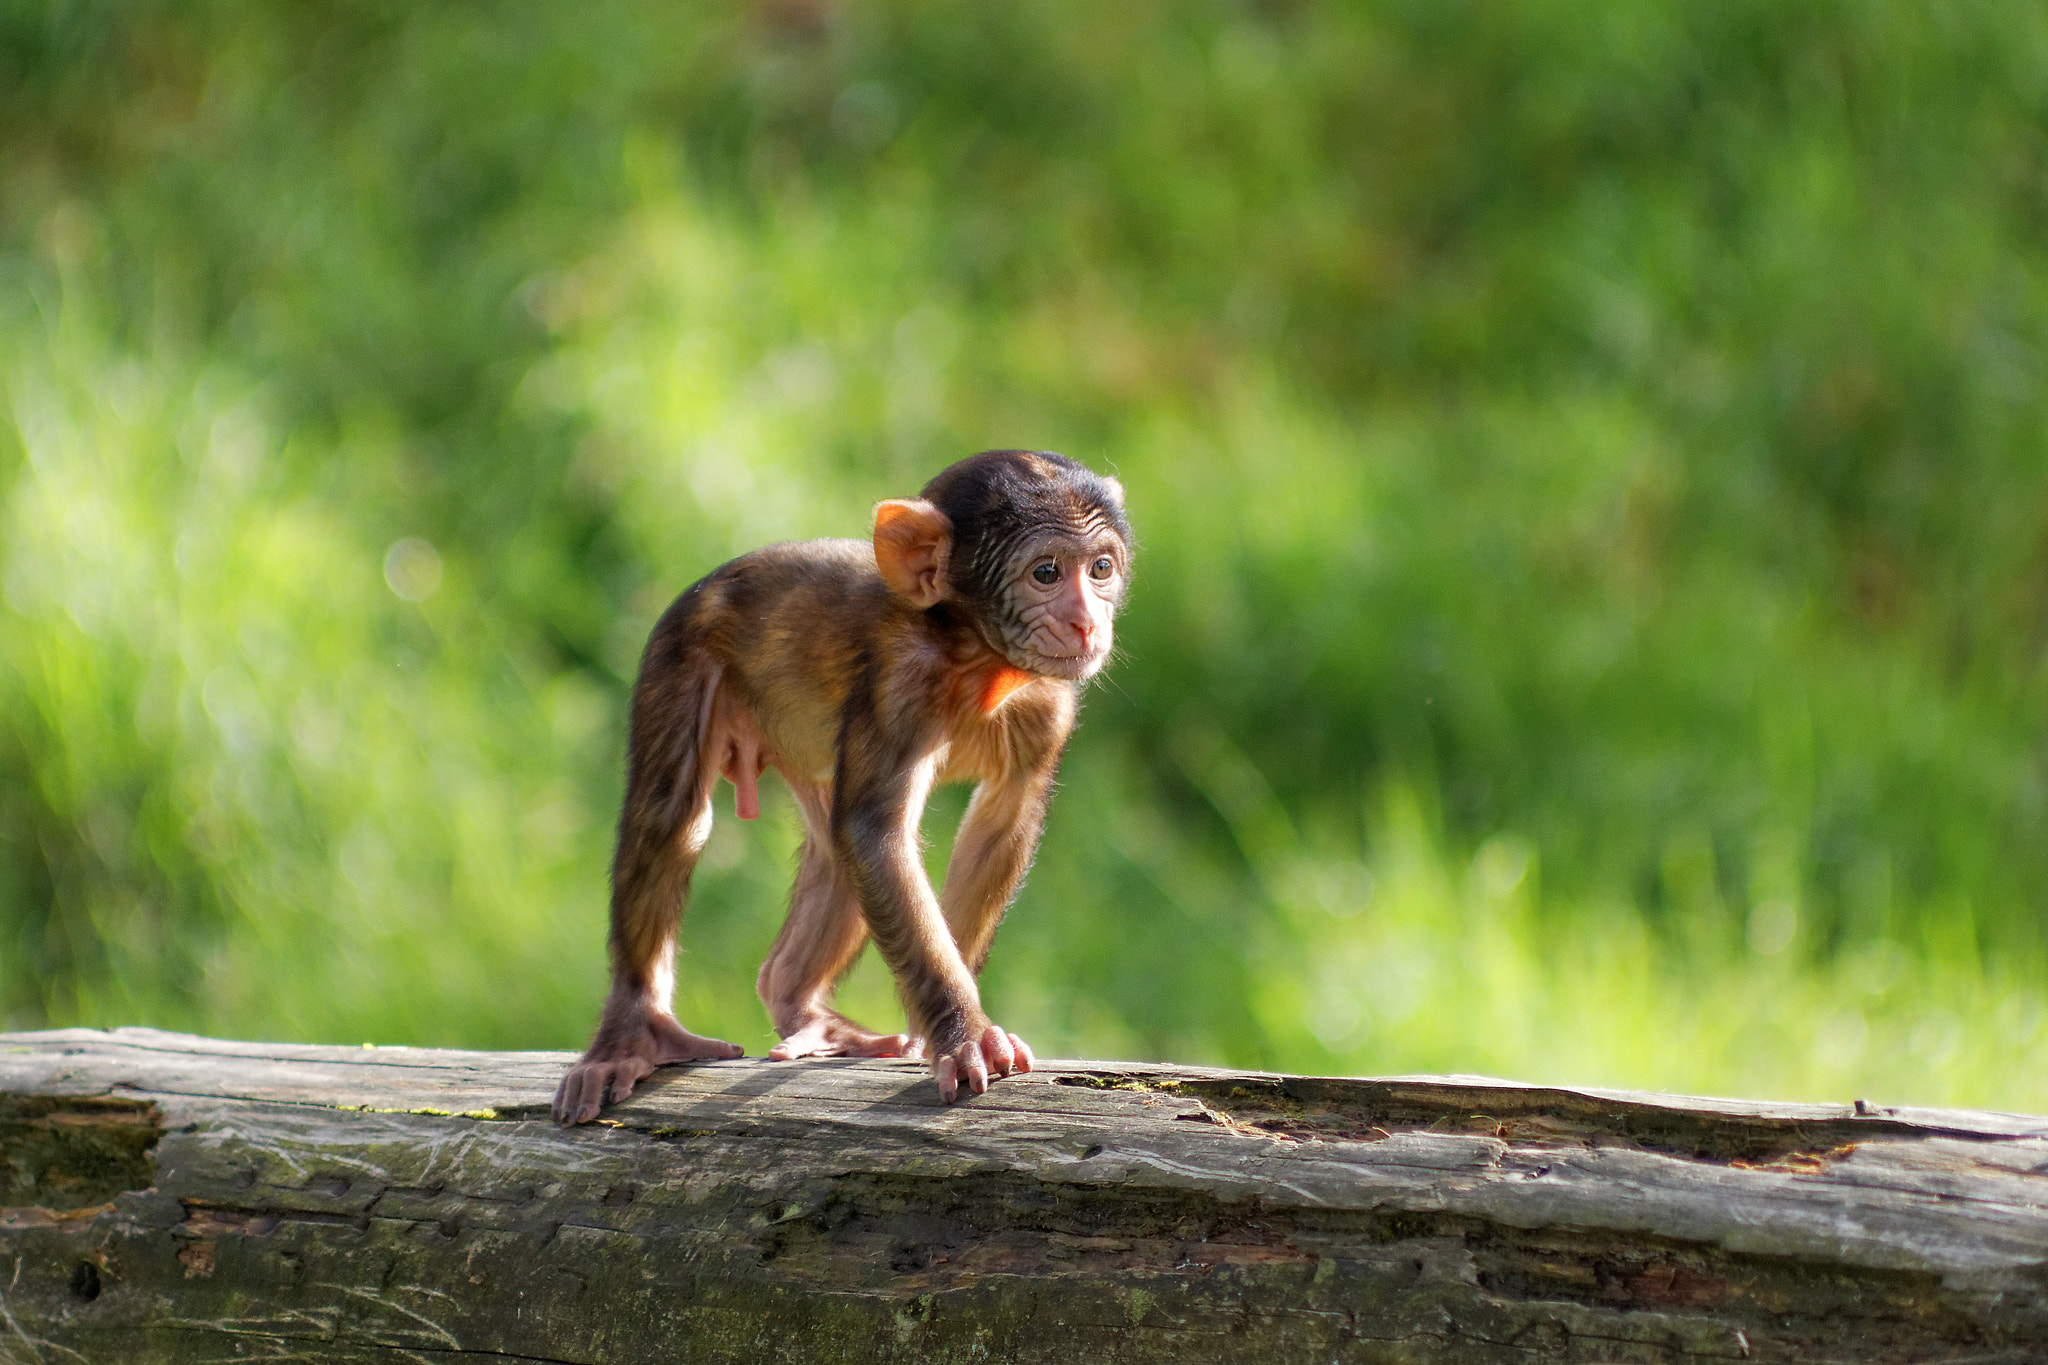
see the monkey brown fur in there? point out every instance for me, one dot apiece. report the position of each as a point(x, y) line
point(951, 648)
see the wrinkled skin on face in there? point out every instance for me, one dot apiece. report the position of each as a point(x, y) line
point(1039, 554)
point(1064, 592)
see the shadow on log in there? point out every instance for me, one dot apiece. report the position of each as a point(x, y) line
point(168, 1198)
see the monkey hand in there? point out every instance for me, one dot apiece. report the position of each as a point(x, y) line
point(630, 1043)
point(988, 1051)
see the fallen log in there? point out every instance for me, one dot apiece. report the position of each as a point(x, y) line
point(179, 1199)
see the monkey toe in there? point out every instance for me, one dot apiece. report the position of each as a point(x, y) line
point(811, 1045)
point(883, 1044)
point(836, 1036)
point(789, 1049)
point(567, 1101)
point(610, 1070)
point(620, 1086)
point(813, 1040)
point(581, 1095)
point(702, 1050)
point(674, 1043)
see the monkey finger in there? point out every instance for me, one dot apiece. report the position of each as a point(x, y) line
point(1025, 1061)
point(995, 1050)
point(976, 1068)
point(949, 1088)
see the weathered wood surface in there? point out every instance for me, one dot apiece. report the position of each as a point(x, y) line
point(166, 1198)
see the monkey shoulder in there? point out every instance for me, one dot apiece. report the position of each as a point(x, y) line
point(788, 589)
point(816, 567)
point(799, 619)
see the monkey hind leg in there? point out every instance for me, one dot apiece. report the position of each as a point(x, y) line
point(662, 830)
point(819, 941)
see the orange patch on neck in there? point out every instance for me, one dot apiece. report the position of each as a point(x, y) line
point(1001, 684)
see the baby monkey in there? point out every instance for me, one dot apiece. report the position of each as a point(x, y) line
point(952, 648)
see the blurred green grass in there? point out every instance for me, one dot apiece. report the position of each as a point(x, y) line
point(1589, 464)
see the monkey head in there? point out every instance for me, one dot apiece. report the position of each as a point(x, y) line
point(1030, 547)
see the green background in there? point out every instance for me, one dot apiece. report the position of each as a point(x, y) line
point(1591, 464)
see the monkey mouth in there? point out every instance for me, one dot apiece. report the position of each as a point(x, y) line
point(1075, 667)
point(1044, 653)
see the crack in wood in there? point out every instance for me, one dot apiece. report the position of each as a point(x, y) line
point(63, 1156)
point(1317, 1109)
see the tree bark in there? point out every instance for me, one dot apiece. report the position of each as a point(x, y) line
point(178, 1199)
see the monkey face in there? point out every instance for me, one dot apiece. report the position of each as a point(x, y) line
point(1030, 547)
point(1059, 599)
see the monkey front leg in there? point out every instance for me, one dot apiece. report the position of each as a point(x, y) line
point(873, 828)
point(997, 837)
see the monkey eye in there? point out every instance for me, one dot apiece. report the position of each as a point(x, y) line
point(1102, 568)
point(1047, 573)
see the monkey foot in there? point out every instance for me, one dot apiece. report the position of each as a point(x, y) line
point(837, 1036)
point(993, 1052)
point(625, 1053)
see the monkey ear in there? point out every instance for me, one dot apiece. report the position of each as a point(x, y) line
point(911, 541)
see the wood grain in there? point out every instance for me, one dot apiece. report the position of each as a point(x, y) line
point(170, 1198)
